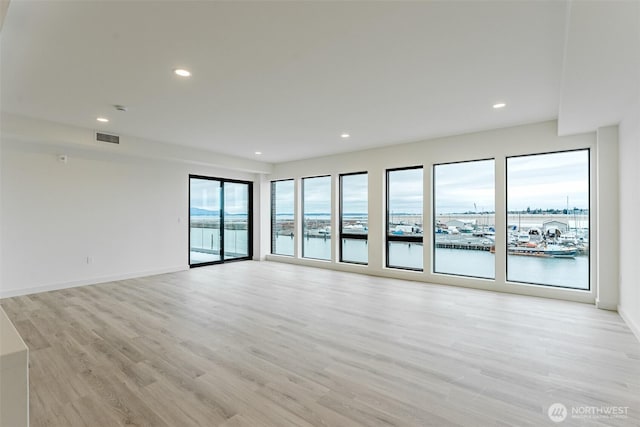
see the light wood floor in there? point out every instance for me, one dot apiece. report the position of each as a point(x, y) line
point(253, 344)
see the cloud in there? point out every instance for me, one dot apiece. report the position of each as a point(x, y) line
point(406, 191)
point(537, 181)
point(548, 181)
point(205, 194)
point(355, 193)
point(284, 197)
point(316, 194)
point(463, 187)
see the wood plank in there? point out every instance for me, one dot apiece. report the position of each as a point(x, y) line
point(270, 344)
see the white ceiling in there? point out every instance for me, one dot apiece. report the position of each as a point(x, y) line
point(287, 78)
point(602, 65)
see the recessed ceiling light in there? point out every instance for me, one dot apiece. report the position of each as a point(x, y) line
point(182, 72)
point(102, 119)
point(499, 105)
point(258, 152)
point(345, 135)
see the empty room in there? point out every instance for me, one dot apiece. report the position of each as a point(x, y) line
point(319, 213)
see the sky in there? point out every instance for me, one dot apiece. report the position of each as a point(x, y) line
point(537, 182)
point(405, 191)
point(316, 194)
point(353, 187)
point(545, 181)
point(205, 194)
point(284, 197)
point(465, 187)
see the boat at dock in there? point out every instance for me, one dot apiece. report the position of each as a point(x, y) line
point(544, 250)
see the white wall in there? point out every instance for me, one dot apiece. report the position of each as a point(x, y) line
point(127, 214)
point(498, 144)
point(629, 178)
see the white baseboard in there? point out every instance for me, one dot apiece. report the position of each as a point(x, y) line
point(603, 306)
point(8, 293)
point(635, 328)
point(576, 295)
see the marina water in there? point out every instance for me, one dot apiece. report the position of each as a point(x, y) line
point(565, 272)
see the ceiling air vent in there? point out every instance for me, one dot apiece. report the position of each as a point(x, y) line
point(105, 137)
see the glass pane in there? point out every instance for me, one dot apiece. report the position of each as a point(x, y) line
point(355, 217)
point(405, 202)
point(236, 220)
point(355, 250)
point(464, 208)
point(204, 220)
point(316, 223)
point(548, 219)
point(355, 207)
point(405, 255)
point(282, 221)
point(404, 216)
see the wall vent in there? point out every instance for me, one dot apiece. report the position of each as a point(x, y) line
point(105, 137)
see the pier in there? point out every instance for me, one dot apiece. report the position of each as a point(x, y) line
point(464, 246)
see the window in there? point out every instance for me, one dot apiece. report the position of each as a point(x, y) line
point(282, 220)
point(464, 222)
point(404, 218)
point(235, 218)
point(354, 218)
point(316, 217)
point(548, 219)
point(220, 226)
point(204, 220)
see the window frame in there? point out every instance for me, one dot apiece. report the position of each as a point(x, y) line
point(408, 239)
point(506, 216)
point(302, 216)
point(433, 215)
point(222, 181)
point(342, 235)
point(273, 217)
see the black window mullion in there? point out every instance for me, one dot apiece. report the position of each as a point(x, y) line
point(273, 216)
point(354, 236)
point(221, 220)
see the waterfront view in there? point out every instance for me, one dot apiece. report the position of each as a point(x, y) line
point(205, 238)
point(547, 230)
point(218, 220)
point(467, 259)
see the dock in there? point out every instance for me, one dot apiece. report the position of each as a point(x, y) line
point(464, 246)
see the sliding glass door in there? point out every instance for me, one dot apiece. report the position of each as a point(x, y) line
point(220, 227)
point(204, 220)
point(235, 218)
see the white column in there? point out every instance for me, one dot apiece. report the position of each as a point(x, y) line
point(427, 218)
point(607, 225)
point(335, 218)
point(262, 217)
point(376, 222)
point(297, 215)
